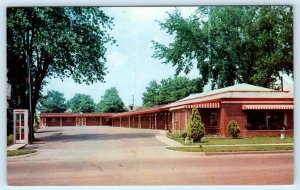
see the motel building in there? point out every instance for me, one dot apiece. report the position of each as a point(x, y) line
point(259, 112)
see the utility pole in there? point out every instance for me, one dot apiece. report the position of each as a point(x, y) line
point(30, 102)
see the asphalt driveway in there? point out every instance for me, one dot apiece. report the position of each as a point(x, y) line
point(122, 156)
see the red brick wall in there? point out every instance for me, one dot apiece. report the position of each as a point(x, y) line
point(290, 119)
point(269, 133)
point(50, 123)
point(179, 120)
point(92, 122)
point(231, 112)
point(71, 122)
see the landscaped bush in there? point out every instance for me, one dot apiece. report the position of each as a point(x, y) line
point(183, 135)
point(233, 129)
point(10, 140)
point(195, 128)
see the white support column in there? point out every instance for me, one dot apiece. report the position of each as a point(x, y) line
point(285, 119)
point(155, 121)
point(60, 121)
point(139, 121)
point(173, 121)
point(185, 117)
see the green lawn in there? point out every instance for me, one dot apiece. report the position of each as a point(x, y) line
point(231, 141)
point(19, 152)
point(233, 148)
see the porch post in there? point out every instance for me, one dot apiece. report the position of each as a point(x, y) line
point(285, 119)
point(155, 124)
point(60, 121)
point(139, 121)
point(120, 121)
point(100, 121)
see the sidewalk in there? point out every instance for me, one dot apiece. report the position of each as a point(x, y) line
point(169, 142)
point(15, 146)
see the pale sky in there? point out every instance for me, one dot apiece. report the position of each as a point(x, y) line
point(130, 64)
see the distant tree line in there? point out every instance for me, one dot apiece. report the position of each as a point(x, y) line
point(55, 102)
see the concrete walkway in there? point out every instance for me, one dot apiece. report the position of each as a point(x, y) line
point(169, 142)
point(16, 146)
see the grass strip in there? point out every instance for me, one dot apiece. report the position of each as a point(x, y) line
point(19, 152)
point(233, 148)
point(236, 141)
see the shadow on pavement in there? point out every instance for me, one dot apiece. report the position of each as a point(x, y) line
point(90, 137)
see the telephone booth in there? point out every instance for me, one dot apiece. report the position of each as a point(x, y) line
point(21, 126)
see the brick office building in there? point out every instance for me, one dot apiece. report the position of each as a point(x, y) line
point(259, 112)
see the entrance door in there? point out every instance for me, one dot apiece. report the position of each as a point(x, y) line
point(84, 121)
point(77, 121)
point(44, 122)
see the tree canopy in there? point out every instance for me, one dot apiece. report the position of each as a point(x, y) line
point(111, 102)
point(169, 90)
point(230, 44)
point(53, 102)
point(54, 42)
point(81, 103)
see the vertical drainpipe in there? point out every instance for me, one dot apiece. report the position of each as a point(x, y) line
point(155, 121)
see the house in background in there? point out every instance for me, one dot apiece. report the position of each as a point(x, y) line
point(259, 112)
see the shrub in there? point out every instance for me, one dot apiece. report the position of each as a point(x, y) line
point(233, 129)
point(183, 135)
point(10, 140)
point(195, 128)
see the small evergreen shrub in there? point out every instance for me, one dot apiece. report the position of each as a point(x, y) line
point(10, 140)
point(195, 128)
point(233, 129)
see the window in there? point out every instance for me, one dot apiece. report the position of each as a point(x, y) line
point(68, 119)
point(265, 120)
point(213, 119)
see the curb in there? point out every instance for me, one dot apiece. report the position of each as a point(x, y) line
point(248, 152)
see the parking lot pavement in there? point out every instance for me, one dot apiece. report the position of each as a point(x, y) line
point(122, 156)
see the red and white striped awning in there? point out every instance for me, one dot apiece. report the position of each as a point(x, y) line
point(204, 105)
point(268, 107)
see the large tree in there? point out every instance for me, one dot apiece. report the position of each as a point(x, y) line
point(54, 42)
point(240, 44)
point(169, 90)
point(53, 102)
point(111, 102)
point(81, 103)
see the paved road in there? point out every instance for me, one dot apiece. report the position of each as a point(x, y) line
point(121, 156)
